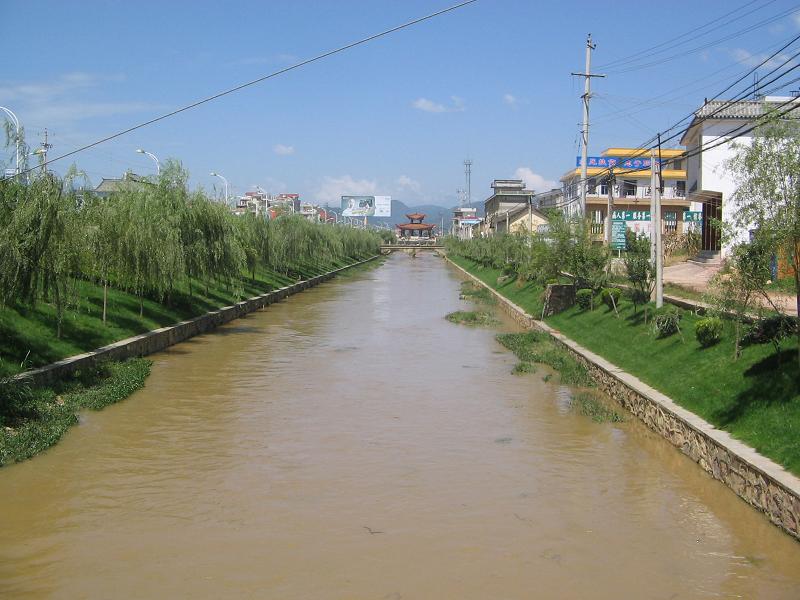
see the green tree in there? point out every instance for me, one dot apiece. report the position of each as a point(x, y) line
point(767, 197)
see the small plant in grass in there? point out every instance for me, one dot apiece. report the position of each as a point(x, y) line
point(472, 291)
point(708, 331)
point(585, 299)
point(667, 323)
point(772, 329)
point(588, 404)
point(610, 297)
point(524, 367)
point(536, 347)
point(469, 317)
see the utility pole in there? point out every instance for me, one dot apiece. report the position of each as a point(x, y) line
point(44, 147)
point(468, 177)
point(610, 209)
point(587, 94)
point(655, 167)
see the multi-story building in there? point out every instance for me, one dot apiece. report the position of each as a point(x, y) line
point(630, 190)
point(465, 219)
point(711, 184)
point(509, 195)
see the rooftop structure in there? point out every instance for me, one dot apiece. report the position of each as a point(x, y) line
point(710, 142)
point(415, 229)
point(629, 190)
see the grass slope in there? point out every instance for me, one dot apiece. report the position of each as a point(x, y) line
point(27, 334)
point(755, 398)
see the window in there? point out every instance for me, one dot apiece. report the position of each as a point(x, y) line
point(591, 188)
point(677, 164)
point(629, 187)
point(680, 188)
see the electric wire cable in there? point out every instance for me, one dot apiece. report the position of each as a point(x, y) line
point(248, 84)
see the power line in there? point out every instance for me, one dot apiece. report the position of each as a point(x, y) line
point(653, 50)
point(258, 80)
point(748, 29)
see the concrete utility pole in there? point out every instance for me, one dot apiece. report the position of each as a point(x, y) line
point(468, 177)
point(655, 167)
point(43, 148)
point(609, 210)
point(587, 94)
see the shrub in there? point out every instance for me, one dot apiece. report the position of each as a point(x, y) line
point(772, 329)
point(708, 331)
point(584, 298)
point(668, 322)
point(610, 297)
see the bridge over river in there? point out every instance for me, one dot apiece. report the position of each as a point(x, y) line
point(351, 443)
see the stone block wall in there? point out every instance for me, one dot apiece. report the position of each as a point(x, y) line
point(159, 339)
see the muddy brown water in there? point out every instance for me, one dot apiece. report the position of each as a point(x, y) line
point(351, 443)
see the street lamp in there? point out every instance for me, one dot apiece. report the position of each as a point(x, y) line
point(153, 156)
point(17, 138)
point(213, 174)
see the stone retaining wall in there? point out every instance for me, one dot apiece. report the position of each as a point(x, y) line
point(756, 479)
point(159, 339)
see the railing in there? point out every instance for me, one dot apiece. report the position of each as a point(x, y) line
point(598, 228)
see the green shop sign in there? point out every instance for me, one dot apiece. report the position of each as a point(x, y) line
point(618, 234)
point(692, 216)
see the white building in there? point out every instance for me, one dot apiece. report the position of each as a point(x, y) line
point(709, 181)
point(464, 221)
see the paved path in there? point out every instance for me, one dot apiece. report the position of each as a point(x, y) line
point(696, 277)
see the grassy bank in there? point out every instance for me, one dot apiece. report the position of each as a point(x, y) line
point(756, 398)
point(27, 338)
point(32, 420)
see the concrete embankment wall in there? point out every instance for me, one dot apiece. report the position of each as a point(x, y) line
point(159, 339)
point(756, 479)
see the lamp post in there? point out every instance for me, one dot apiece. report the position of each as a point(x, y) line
point(213, 174)
point(154, 157)
point(17, 139)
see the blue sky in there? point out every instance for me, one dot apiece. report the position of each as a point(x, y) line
point(398, 116)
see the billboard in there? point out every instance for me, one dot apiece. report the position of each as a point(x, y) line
point(367, 206)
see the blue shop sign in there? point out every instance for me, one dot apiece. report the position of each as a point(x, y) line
point(614, 161)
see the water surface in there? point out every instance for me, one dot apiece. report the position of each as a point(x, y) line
point(351, 443)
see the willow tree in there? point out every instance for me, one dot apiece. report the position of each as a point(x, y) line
point(767, 197)
point(40, 244)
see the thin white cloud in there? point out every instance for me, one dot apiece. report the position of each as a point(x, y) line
point(510, 99)
point(333, 188)
point(796, 18)
point(534, 181)
point(282, 150)
point(61, 101)
point(426, 105)
point(745, 57)
point(78, 111)
point(404, 182)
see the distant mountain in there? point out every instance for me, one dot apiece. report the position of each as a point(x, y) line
point(433, 213)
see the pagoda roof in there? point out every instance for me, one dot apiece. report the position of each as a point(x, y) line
point(415, 215)
point(415, 226)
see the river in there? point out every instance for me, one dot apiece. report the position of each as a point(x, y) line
point(349, 442)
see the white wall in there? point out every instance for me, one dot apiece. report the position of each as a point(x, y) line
point(716, 177)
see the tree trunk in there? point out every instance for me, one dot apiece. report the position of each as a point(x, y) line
point(59, 311)
point(105, 300)
point(141, 304)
